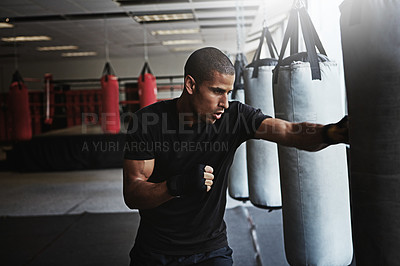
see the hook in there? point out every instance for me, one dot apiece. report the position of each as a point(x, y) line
point(264, 23)
point(299, 4)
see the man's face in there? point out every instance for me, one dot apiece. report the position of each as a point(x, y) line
point(210, 98)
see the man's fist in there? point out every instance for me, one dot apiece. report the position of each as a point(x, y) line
point(194, 180)
point(208, 176)
point(336, 133)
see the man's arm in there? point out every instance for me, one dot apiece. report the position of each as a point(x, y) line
point(304, 136)
point(138, 193)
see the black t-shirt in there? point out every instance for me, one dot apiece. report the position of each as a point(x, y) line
point(194, 223)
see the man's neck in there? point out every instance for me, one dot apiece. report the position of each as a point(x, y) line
point(185, 111)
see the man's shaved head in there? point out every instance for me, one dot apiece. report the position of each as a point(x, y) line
point(202, 64)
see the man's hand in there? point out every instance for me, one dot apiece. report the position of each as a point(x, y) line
point(337, 133)
point(197, 179)
point(208, 176)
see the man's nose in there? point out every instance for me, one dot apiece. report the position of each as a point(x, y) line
point(224, 101)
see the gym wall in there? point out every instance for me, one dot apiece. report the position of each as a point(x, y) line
point(83, 68)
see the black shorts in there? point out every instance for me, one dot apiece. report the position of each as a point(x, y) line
point(218, 257)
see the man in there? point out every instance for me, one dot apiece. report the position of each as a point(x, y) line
point(176, 169)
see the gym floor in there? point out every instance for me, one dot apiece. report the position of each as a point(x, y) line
point(79, 218)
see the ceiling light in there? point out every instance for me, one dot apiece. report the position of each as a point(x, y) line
point(175, 32)
point(163, 17)
point(78, 54)
point(26, 39)
point(57, 48)
point(184, 49)
point(4, 25)
point(180, 42)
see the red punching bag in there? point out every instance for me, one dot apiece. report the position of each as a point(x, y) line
point(110, 120)
point(147, 87)
point(19, 111)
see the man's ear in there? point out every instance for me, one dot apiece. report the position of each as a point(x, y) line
point(190, 84)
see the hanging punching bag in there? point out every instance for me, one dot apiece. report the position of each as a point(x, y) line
point(147, 87)
point(19, 111)
point(371, 54)
point(262, 157)
point(315, 193)
point(238, 186)
point(110, 121)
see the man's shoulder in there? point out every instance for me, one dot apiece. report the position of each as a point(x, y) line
point(147, 118)
point(233, 105)
point(158, 107)
point(238, 107)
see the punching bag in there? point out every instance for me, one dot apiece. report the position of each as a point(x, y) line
point(371, 54)
point(237, 179)
point(315, 192)
point(18, 108)
point(110, 120)
point(147, 87)
point(262, 157)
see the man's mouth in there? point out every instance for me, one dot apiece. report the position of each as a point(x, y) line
point(217, 115)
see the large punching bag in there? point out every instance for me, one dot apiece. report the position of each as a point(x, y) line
point(147, 87)
point(110, 121)
point(371, 54)
point(262, 157)
point(238, 185)
point(315, 192)
point(18, 109)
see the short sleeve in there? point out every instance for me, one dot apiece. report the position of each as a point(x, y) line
point(250, 120)
point(138, 143)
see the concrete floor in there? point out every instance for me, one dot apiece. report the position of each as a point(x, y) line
point(61, 193)
point(69, 218)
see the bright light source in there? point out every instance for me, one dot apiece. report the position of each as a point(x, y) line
point(163, 17)
point(4, 25)
point(180, 42)
point(78, 54)
point(26, 39)
point(57, 48)
point(175, 32)
point(184, 49)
